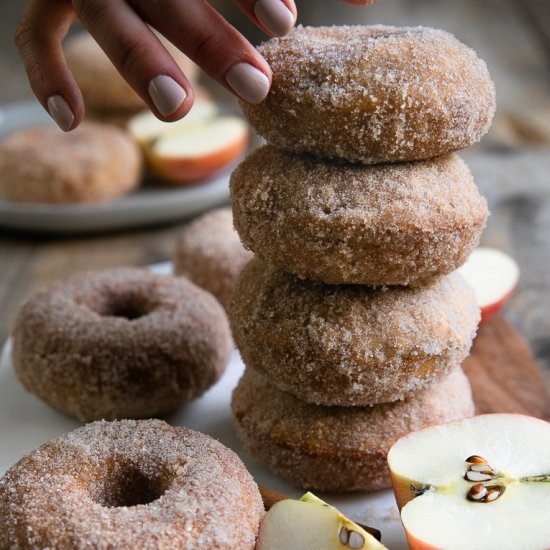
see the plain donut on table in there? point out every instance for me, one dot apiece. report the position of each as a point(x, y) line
point(120, 343)
point(350, 345)
point(130, 484)
point(373, 94)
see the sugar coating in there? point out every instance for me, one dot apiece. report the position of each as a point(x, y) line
point(373, 93)
point(350, 345)
point(209, 252)
point(67, 493)
point(94, 163)
point(120, 343)
point(388, 224)
point(337, 448)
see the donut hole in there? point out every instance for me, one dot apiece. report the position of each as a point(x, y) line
point(126, 485)
point(128, 306)
point(127, 309)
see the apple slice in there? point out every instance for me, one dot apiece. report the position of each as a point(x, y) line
point(310, 523)
point(197, 153)
point(494, 276)
point(483, 482)
point(145, 127)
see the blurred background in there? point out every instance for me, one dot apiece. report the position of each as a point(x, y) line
point(513, 36)
point(511, 165)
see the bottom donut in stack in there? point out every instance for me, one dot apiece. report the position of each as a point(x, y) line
point(337, 448)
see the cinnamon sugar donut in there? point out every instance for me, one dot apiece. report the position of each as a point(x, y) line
point(337, 448)
point(94, 163)
point(373, 94)
point(350, 345)
point(210, 253)
point(130, 484)
point(389, 224)
point(120, 343)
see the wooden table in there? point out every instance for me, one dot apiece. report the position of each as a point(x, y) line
point(512, 166)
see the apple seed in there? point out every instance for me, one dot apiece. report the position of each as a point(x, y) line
point(484, 493)
point(353, 539)
point(356, 540)
point(343, 536)
point(477, 492)
point(494, 492)
point(484, 468)
point(476, 459)
point(479, 476)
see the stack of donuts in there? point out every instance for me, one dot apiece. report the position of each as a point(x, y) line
point(350, 319)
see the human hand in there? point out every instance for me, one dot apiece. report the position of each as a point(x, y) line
point(122, 30)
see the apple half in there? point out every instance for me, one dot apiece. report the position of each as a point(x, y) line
point(198, 152)
point(480, 483)
point(310, 523)
point(494, 276)
point(145, 127)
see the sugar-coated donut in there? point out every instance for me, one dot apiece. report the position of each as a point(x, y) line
point(130, 484)
point(373, 94)
point(350, 345)
point(389, 224)
point(104, 90)
point(337, 448)
point(120, 343)
point(94, 163)
point(210, 253)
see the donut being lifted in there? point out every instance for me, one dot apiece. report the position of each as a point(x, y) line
point(120, 343)
point(130, 484)
point(373, 94)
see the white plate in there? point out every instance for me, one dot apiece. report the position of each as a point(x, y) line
point(26, 422)
point(146, 206)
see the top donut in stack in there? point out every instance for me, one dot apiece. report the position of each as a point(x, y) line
point(385, 108)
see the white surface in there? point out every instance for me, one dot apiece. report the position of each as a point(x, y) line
point(26, 422)
point(149, 205)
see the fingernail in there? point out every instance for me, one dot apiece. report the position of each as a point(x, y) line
point(166, 93)
point(274, 16)
point(61, 112)
point(248, 82)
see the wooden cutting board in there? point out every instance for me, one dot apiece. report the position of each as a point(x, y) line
point(503, 373)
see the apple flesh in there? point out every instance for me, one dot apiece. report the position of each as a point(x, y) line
point(501, 502)
point(198, 152)
point(310, 523)
point(145, 127)
point(494, 276)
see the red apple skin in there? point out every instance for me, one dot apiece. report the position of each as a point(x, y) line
point(189, 170)
point(489, 311)
point(401, 490)
point(416, 544)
